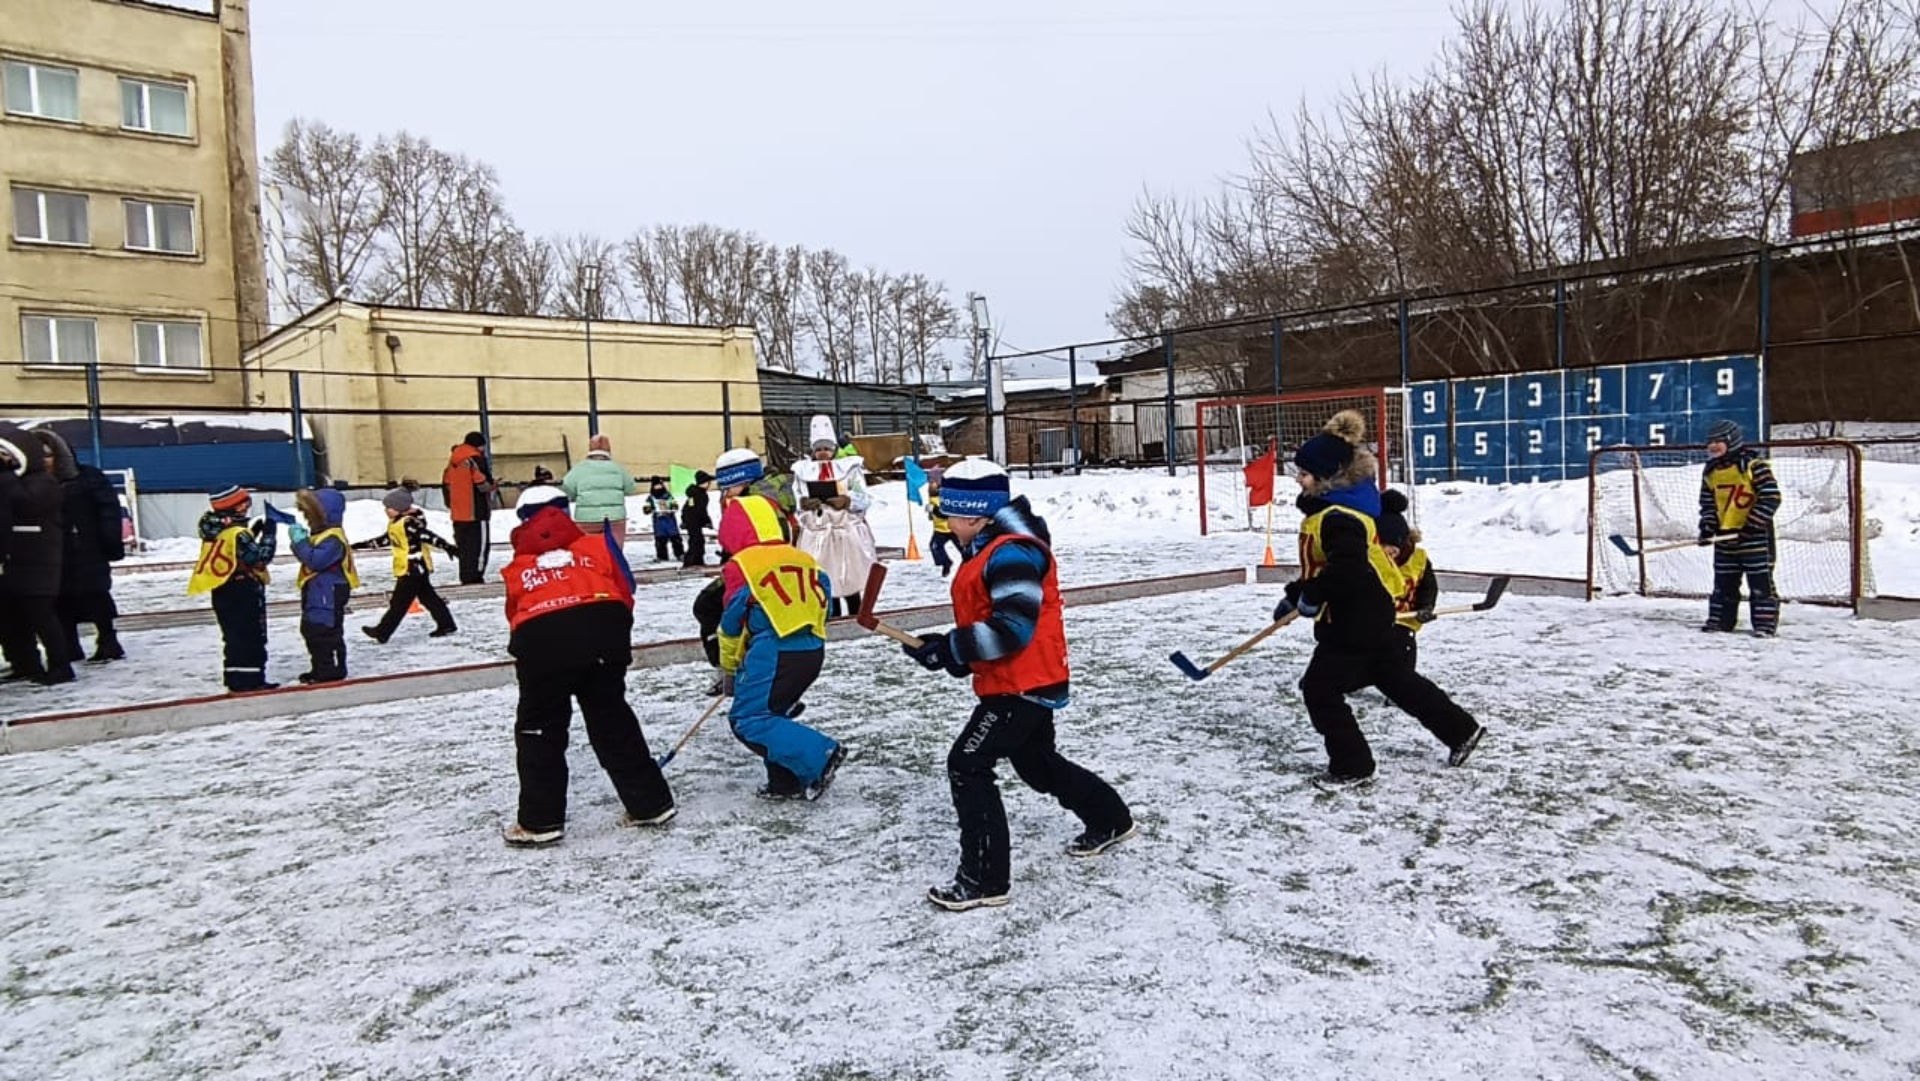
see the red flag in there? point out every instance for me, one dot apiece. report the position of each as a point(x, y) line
point(1260, 477)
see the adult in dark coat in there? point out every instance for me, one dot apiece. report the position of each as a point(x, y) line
point(696, 518)
point(30, 584)
point(93, 544)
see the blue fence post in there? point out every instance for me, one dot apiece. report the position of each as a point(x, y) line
point(726, 415)
point(300, 477)
point(93, 412)
point(486, 418)
point(1168, 340)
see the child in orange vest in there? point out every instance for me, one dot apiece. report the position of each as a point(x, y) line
point(1009, 637)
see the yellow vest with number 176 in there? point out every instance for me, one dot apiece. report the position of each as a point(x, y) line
point(219, 562)
point(786, 583)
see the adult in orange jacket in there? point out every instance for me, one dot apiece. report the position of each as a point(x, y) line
point(469, 487)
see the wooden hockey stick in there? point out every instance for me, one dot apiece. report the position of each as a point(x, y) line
point(711, 707)
point(1495, 590)
point(869, 598)
point(1626, 547)
point(1197, 673)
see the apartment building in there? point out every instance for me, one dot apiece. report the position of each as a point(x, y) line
point(127, 152)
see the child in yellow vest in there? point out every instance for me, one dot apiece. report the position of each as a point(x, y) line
point(233, 568)
point(1349, 587)
point(327, 579)
point(412, 543)
point(942, 529)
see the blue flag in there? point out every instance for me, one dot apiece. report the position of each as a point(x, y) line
point(916, 480)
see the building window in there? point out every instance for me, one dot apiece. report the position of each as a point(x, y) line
point(42, 90)
point(160, 108)
point(167, 345)
point(59, 339)
point(49, 217)
point(164, 227)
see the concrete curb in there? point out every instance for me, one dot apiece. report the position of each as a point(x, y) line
point(52, 730)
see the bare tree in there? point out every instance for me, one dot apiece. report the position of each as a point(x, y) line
point(415, 181)
point(527, 275)
point(338, 211)
point(779, 312)
point(479, 233)
point(572, 254)
point(833, 313)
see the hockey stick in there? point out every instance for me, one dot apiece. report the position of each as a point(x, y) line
point(1495, 590)
point(869, 598)
point(1196, 673)
point(711, 707)
point(1627, 548)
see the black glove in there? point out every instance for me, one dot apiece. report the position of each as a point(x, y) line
point(936, 653)
point(263, 527)
point(1283, 609)
point(1706, 536)
point(1424, 615)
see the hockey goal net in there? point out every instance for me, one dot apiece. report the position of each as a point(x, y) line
point(1233, 432)
point(1645, 497)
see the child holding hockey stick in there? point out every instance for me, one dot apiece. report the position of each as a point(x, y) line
point(772, 638)
point(1739, 495)
point(412, 543)
point(1349, 587)
point(1008, 635)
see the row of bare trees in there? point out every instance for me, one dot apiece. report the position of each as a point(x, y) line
point(1546, 135)
point(400, 221)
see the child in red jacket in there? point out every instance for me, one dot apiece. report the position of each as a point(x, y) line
point(570, 610)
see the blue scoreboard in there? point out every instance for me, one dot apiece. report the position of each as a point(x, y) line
point(1531, 426)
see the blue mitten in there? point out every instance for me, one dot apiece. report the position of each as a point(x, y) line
point(936, 653)
point(1307, 609)
point(298, 533)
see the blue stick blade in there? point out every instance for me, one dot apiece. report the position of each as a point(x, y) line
point(1191, 670)
point(1620, 542)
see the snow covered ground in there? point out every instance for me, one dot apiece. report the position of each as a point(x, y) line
point(1676, 856)
point(1643, 873)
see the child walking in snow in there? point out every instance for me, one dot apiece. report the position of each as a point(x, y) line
point(412, 543)
point(326, 580)
point(1009, 636)
point(772, 639)
point(1349, 586)
point(942, 532)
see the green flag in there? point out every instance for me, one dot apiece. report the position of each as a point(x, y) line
point(679, 479)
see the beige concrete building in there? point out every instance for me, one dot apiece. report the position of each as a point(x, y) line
point(127, 150)
point(387, 391)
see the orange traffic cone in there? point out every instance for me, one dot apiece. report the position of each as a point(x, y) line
point(1267, 560)
point(415, 607)
point(913, 547)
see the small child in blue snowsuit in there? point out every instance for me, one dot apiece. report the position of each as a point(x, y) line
point(773, 637)
point(326, 580)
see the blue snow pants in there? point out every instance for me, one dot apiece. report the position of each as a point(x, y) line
point(766, 688)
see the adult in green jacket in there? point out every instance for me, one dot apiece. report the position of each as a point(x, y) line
point(597, 488)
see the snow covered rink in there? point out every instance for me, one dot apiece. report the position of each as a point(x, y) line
point(1675, 856)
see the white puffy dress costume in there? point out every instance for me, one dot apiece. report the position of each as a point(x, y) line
point(839, 540)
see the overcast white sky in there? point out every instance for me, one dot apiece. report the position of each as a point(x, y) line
point(996, 147)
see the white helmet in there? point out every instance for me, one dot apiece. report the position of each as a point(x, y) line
point(537, 497)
